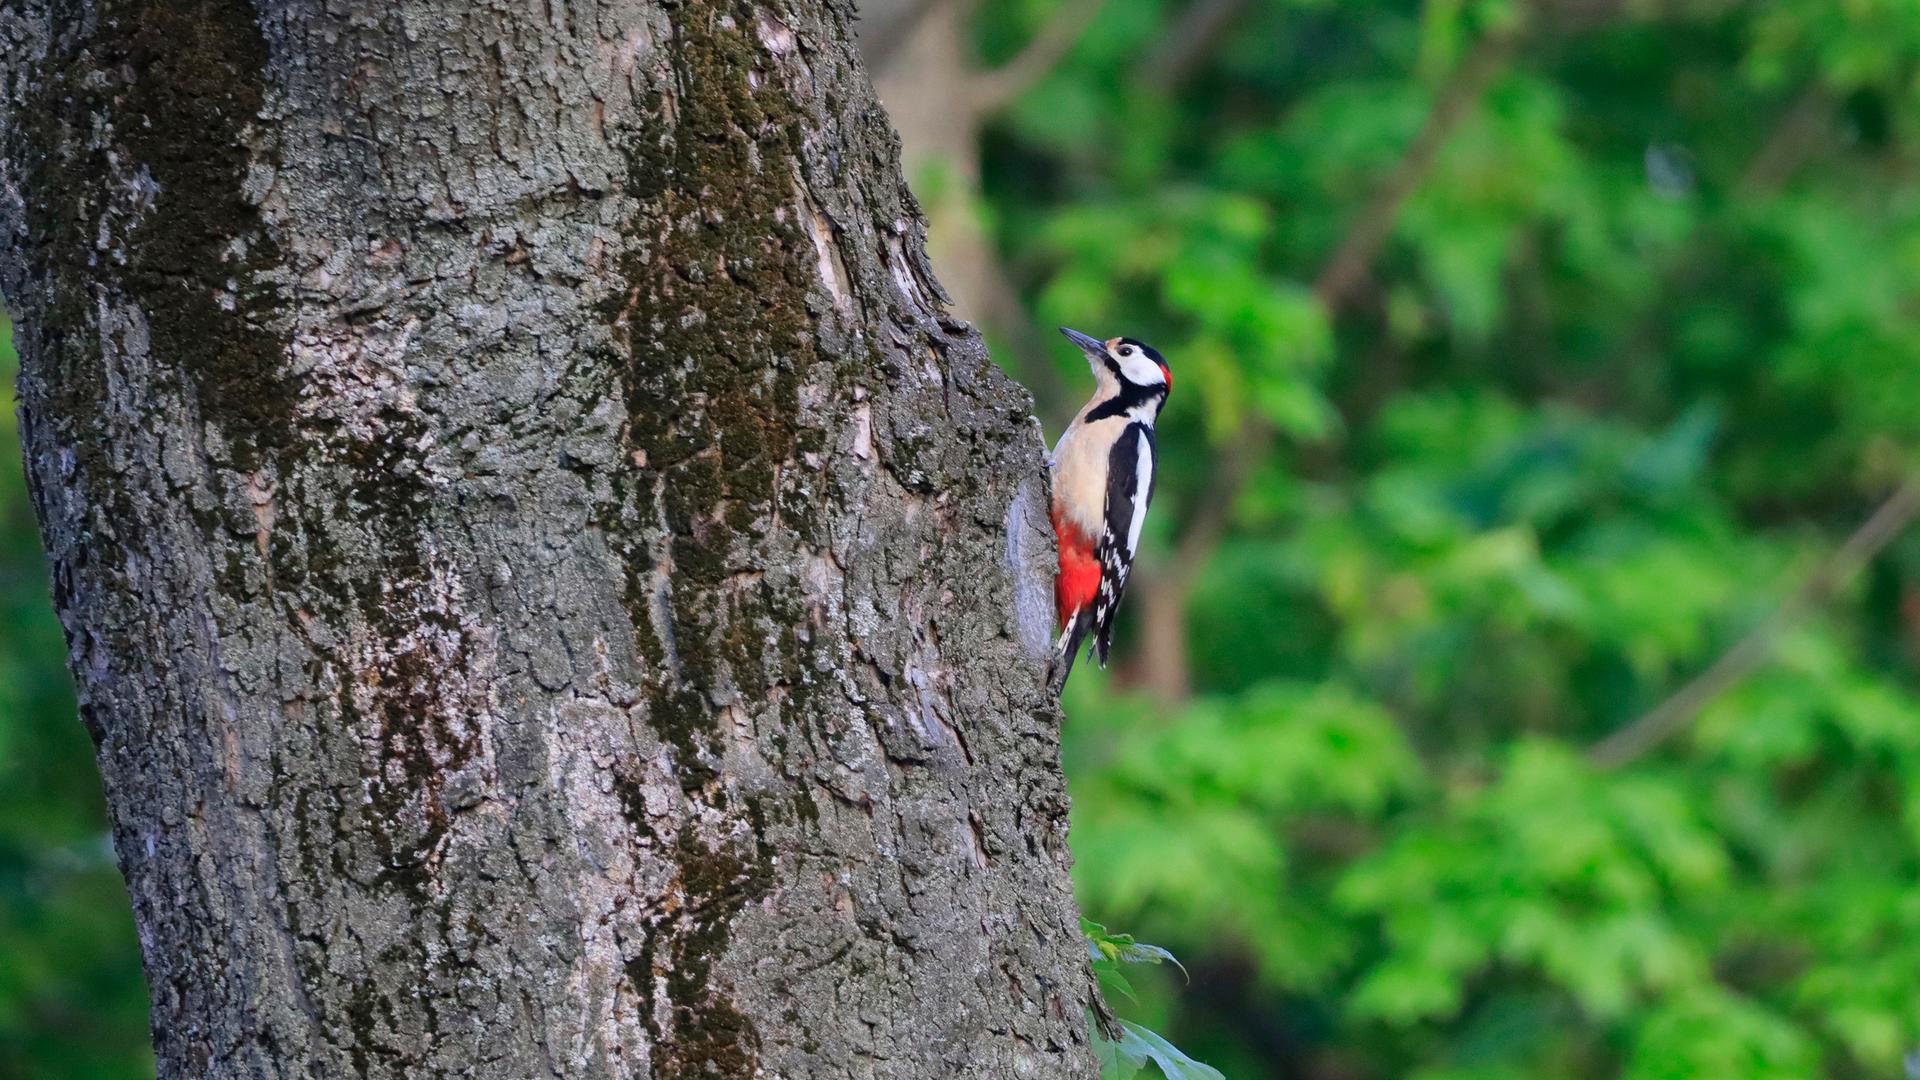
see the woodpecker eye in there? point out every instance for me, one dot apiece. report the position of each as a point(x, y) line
point(1126, 350)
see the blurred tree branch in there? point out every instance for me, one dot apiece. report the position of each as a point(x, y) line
point(1167, 589)
point(1798, 135)
point(995, 90)
point(887, 28)
point(1191, 40)
point(1169, 586)
point(1747, 655)
point(1347, 269)
point(940, 100)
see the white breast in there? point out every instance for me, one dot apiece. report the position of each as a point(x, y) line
point(1080, 471)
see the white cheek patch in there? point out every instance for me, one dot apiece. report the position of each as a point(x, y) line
point(1139, 370)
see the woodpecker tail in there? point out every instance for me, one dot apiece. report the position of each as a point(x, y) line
point(1065, 650)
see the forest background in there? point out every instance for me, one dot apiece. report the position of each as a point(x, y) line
point(1523, 675)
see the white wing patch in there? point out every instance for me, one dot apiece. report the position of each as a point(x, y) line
point(1129, 485)
point(1142, 483)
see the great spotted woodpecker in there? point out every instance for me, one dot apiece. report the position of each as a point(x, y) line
point(1103, 478)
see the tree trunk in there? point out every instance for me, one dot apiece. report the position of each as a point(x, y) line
point(552, 593)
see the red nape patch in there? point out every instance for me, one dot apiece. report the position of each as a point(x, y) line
point(1167, 374)
point(1079, 580)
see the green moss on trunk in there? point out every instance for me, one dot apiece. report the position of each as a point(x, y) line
point(711, 1039)
point(149, 211)
point(181, 82)
point(716, 337)
point(715, 326)
point(198, 82)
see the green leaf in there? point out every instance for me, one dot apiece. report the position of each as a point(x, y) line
point(1124, 1058)
point(1112, 980)
point(1117, 1061)
point(1173, 1063)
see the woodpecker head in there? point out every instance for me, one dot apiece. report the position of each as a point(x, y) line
point(1131, 363)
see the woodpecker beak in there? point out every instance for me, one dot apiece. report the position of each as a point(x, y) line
point(1092, 346)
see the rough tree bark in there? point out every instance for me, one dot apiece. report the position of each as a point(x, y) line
point(552, 593)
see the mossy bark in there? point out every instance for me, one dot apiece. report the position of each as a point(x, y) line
point(552, 592)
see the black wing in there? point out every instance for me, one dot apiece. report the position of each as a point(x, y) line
point(1132, 471)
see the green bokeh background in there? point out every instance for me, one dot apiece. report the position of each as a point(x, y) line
point(1639, 352)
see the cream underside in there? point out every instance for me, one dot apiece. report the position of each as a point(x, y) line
point(1080, 471)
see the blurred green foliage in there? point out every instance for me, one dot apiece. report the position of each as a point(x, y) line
point(72, 1001)
point(1640, 350)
